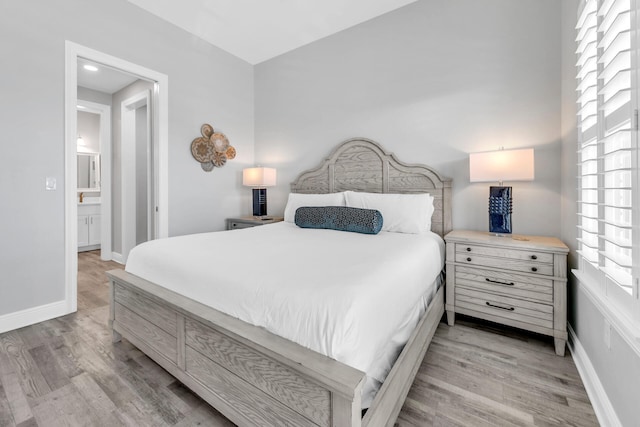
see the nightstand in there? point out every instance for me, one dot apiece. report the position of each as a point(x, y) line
point(251, 221)
point(514, 280)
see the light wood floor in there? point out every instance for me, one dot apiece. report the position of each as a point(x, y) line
point(66, 372)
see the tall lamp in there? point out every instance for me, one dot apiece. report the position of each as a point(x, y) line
point(499, 166)
point(259, 178)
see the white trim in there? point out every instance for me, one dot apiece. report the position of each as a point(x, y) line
point(116, 257)
point(625, 326)
point(160, 122)
point(161, 133)
point(599, 400)
point(20, 319)
point(70, 177)
point(152, 177)
point(105, 173)
point(128, 162)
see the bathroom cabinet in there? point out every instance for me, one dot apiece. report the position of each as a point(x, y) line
point(88, 227)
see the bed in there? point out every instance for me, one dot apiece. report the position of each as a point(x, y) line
point(252, 375)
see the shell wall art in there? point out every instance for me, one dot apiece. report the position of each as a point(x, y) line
point(212, 149)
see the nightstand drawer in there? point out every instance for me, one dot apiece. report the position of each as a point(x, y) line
point(511, 308)
point(238, 225)
point(529, 255)
point(515, 264)
point(251, 221)
point(501, 282)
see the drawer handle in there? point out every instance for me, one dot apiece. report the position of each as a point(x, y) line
point(534, 256)
point(498, 282)
point(468, 249)
point(498, 306)
point(534, 269)
point(469, 259)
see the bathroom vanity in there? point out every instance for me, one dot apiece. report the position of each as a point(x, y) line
point(89, 224)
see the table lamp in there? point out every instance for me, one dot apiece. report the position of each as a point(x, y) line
point(259, 178)
point(500, 166)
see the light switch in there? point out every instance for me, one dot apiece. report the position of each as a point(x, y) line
point(50, 183)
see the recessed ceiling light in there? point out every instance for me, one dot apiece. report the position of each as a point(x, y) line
point(90, 67)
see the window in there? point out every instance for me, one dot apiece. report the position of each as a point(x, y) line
point(608, 232)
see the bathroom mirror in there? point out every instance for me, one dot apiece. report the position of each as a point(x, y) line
point(88, 172)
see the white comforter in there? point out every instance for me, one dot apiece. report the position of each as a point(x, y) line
point(353, 297)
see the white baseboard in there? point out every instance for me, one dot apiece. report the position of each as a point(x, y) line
point(117, 257)
point(598, 396)
point(20, 319)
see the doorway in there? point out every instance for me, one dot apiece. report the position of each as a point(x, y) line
point(94, 142)
point(138, 165)
point(150, 115)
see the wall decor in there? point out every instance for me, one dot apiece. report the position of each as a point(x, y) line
point(212, 149)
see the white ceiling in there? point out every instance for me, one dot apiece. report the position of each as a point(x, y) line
point(106, 79)
point(257, 30)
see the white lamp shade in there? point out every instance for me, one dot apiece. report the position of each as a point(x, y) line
point(259, 177)
point(502, 165)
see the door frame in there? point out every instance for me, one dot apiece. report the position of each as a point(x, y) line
point(104, 111)
point(128, 148)
point(160, 132)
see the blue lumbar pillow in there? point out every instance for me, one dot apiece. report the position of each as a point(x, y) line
point(342, 218)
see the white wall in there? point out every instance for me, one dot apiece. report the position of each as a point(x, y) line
point(91, 95)
point(617, 368)
point(432, 82)
point(206, 85)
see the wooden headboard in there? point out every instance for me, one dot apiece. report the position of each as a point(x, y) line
point(360, 164)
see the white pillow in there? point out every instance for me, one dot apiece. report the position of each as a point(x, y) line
point(401, 213)
point(297, 200)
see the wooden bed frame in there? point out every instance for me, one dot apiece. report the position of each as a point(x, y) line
point(254, 377)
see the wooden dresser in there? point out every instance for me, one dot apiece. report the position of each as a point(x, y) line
point(514, 280)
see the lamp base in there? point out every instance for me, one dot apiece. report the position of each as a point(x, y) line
point(259, 202)
point(500, 208)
